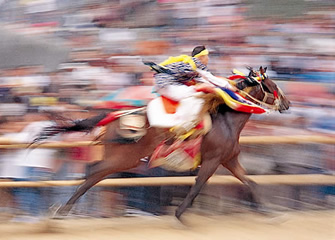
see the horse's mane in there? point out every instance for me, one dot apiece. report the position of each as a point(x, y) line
point(212, 103)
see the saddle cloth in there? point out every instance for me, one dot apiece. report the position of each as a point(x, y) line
point(181, 156)
point(238, 103)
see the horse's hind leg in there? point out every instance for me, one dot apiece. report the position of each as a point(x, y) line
point(96, 173)
point(81, 190)
point(239, 172)
point(207, 169)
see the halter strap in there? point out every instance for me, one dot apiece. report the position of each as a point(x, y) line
point(263, 103)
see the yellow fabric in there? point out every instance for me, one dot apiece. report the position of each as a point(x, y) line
point(43, 101)
point(197, 161)
point(186, 135)
point(237, 72)
point(184, 58)
point(231, 82)
point(232, 103)
point(202, 53)
point(181, 58)
point(259, 78)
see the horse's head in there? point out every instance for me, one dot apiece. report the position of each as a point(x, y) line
point(265, 91)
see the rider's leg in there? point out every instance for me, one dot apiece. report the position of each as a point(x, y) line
point(188, 112)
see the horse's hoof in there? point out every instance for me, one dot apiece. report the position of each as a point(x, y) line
point(57, 211)
point(262, 210)
point(178, 223)
point(276, 218)
point(177, 215)
point(53, 211)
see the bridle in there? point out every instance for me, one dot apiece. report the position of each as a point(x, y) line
point(267, 95)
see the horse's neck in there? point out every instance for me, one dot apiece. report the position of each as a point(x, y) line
point(239, 120)
point(235, 121)
point(257, 93)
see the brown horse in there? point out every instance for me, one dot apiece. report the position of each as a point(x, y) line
point(220, 145)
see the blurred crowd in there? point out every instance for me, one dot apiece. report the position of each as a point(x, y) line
point(105, 41)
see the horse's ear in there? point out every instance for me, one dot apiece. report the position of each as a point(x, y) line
point(262, 70)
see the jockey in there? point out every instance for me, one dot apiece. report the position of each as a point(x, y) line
point(176, 79)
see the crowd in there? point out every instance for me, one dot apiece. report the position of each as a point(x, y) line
point(106, 43)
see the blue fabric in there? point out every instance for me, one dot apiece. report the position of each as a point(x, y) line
point(234, 96)
point(134, 102)
point(34, 201)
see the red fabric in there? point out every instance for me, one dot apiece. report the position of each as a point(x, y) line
point(200, 125)
point(204, 88)
point(233, 77)
point(113, 105)
point(190, 147)
point(80, 153)
point(250, 109)
point(275, 94)
point(110, 118)
point(45, 24)
point(190, 83)
point(170, 105)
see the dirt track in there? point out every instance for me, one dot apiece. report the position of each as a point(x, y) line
point(293, 225)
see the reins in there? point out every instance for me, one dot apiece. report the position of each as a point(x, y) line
point(262, 103)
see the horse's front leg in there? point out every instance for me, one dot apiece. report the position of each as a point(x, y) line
point(207, 169)
point(239, 172)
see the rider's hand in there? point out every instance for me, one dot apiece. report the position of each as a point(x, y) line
point(233, 88)
point(204, 87)
point(252, 81)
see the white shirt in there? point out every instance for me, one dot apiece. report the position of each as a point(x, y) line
point(38, 157)
point(10, 160)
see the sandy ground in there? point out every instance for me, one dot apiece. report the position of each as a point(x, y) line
point(314, 225)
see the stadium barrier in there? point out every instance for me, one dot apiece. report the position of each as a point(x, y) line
point(291, 139)
point(297, 179)
point(300, 179)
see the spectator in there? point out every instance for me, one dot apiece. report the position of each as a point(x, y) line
point(35, 165)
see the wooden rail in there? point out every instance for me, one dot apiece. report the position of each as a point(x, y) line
point(305, 179)
point(300, 179)
point(292, 139)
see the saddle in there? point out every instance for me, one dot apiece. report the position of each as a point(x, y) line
point(132, 126)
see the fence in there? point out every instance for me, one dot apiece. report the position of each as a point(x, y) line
point(292, 139)
point(305, 179)
point(294, 179)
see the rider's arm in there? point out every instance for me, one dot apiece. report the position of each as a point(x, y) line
point(221, 82)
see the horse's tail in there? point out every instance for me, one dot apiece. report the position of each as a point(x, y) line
point(72, 126)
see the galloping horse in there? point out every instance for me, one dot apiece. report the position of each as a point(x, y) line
point(220, 146)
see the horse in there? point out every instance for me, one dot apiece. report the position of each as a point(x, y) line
point(220, 146)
